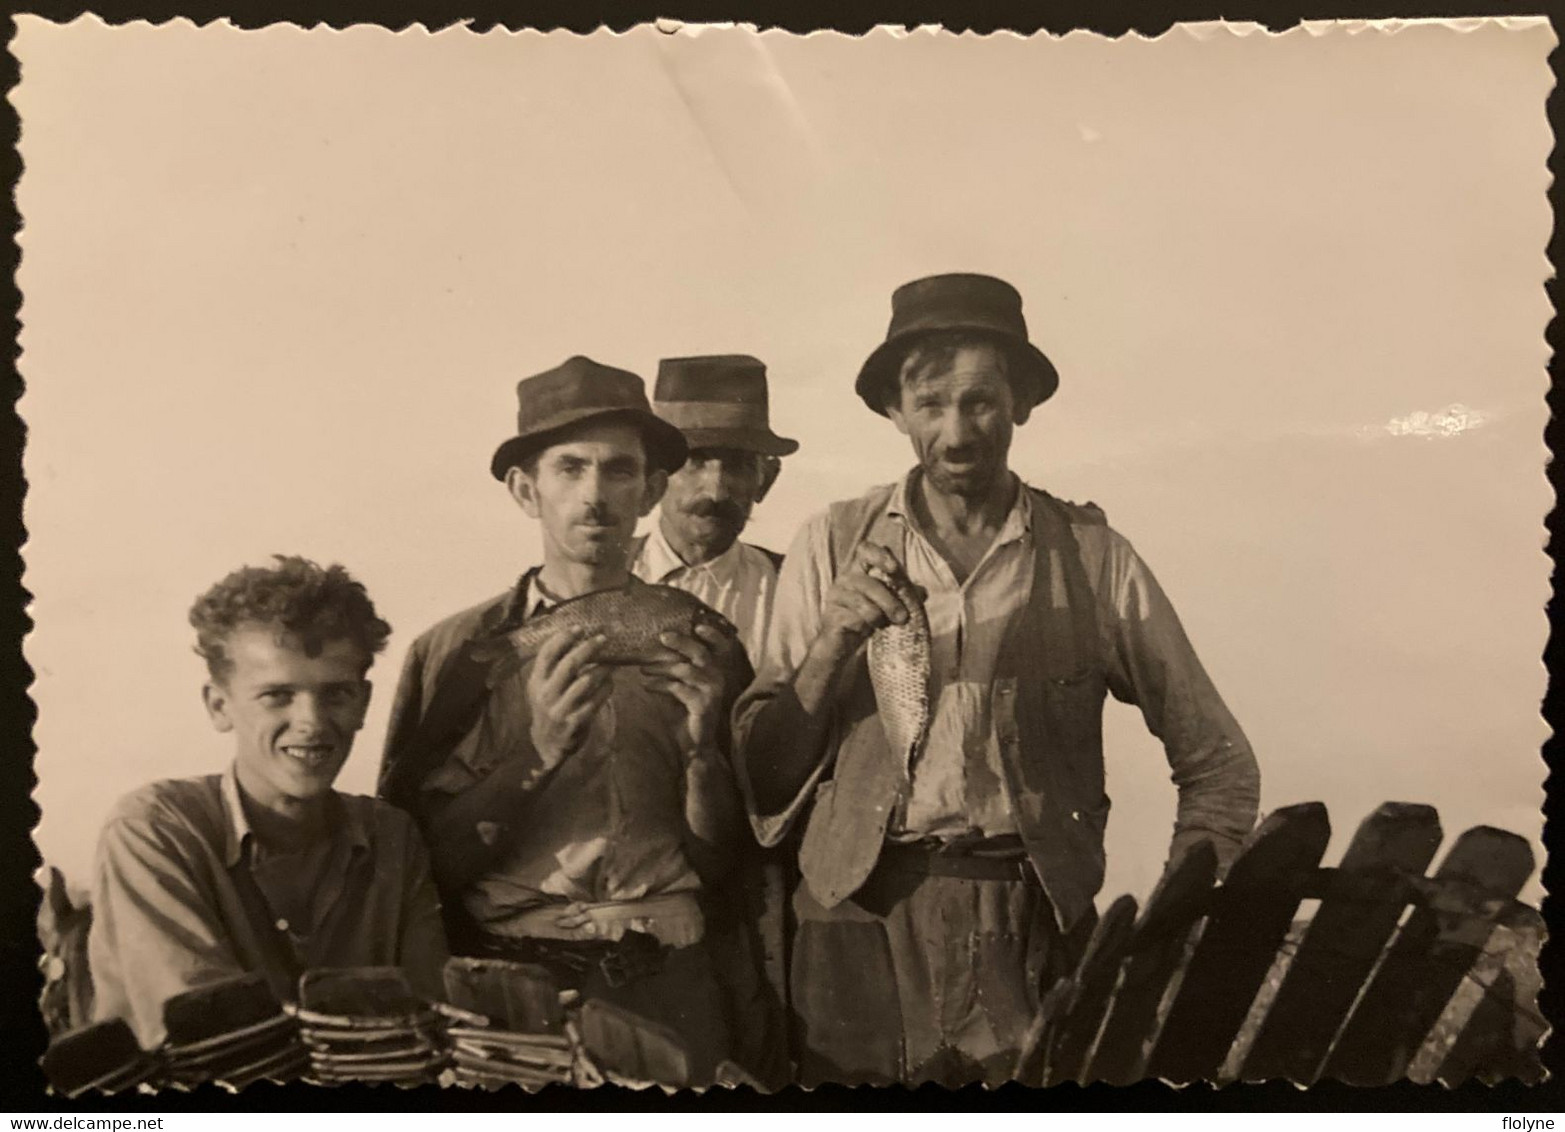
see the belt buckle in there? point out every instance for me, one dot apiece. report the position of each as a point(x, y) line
point(616, 971)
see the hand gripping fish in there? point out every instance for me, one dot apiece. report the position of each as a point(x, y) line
point(899, 666)
point(632, 617)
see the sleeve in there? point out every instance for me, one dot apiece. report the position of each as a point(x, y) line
point(714, 808)
point(422, 949)
point(768, 716)
point(407, 712)
point(153, 935)
point(1153, 666)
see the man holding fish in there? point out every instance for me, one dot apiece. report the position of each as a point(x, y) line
point(929, 706)
point(564, 745)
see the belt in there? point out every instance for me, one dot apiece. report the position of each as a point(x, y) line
point(672, 918)
point(932, 859)
point(621, 962)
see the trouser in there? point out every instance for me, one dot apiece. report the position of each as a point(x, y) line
point(673, 987)
point(921, 976)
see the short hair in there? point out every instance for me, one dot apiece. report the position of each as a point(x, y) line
point(295, 596)
point(933, 353)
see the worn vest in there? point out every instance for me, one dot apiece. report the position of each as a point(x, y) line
point(1048, 714)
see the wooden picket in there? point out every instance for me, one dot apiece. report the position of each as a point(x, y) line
point(1225, 979)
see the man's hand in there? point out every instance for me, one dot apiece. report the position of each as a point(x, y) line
point(693, 675)
point(566, 689)
point(865, 597)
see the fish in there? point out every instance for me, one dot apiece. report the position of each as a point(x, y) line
point(631, 617)
point(900, 660)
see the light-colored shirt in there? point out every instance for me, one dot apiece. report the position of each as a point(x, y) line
point(740, 583)
point(956, 788)
point(185, 894)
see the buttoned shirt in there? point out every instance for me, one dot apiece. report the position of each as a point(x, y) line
point(956, 789)
point(185, 894)
point(740, 583)
point(617, 820)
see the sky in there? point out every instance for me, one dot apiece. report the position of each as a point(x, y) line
point(279, 287)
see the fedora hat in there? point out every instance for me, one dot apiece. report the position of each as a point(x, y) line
point(719, 401)
point(977, 303)
point(553, 403)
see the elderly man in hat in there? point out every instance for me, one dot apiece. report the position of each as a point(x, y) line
point(577, 813)
point(945, 885)
point(719, 402)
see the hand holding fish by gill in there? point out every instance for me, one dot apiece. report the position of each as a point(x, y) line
point(900, 658)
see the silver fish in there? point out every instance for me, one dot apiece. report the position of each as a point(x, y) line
point(900, 659)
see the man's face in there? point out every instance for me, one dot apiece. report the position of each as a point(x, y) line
point(709, 500)
point(959, 417)
point(588, 492)
point(293, 715)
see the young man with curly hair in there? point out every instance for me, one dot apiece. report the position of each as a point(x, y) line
point(264, 867)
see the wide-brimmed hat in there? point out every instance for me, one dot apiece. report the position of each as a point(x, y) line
point(552, 403)
point(719, 401)
point(977, 303)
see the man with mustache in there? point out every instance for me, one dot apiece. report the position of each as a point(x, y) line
point(719, 402)
point(580, 815)
point(265, 867)
point(945, 886)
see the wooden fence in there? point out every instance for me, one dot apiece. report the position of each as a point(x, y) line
point(1397, 974)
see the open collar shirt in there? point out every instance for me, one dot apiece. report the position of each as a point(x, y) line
point(740, 583)
point(185, 894)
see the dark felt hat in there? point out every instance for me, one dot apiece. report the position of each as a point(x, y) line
point(719, 401)
point(579, 390)
point(978, 303)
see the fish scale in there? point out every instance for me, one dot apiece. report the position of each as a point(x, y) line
point(631, 617)
point(900, 660)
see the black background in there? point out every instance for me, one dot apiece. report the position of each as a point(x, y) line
point(21, 1029)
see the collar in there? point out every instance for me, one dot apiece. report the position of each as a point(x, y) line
point(662, 560)
point(1018, 521)
point(342, 820)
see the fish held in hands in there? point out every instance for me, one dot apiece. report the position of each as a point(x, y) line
point(631, 619)
point(900, 660)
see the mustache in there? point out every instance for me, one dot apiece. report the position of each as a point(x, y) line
point(724, 509)
point(598, 515)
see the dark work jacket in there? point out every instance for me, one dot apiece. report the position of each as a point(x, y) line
point(1048, 708)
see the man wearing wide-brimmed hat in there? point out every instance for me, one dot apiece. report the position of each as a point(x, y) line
point(579, 813)
point(719, 402)
point(948, 883)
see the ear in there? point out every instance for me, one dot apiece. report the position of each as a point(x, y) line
point(215, 697)
point(771, 468)
point(894, 411)
point(657, 484)
point(523, 490)
point(366, 691)
point(1020, 410)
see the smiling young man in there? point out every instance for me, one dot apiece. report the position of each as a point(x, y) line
point(940, 886)
point(265, 867)
point(579, 814)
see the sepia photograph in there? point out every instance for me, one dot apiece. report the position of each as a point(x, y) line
point(713, 558)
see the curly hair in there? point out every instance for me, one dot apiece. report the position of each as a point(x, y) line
point(295, 596)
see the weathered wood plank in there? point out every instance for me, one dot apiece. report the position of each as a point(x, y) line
point(1094, 981)
point(1433, 951)
point(1344, 941)
point(1250, 914)
point(1156, 952)
point(1501, 1037)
